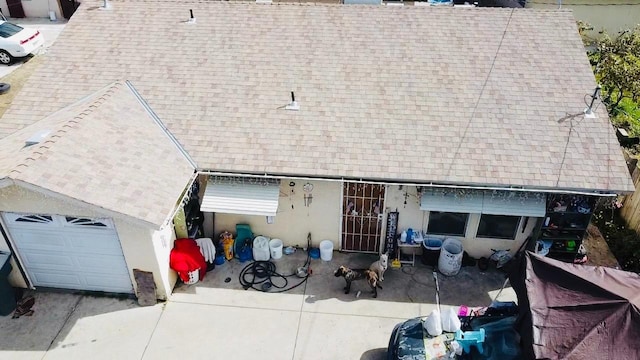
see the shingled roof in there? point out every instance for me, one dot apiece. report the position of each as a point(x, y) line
point(106, 150)
point(478, 96)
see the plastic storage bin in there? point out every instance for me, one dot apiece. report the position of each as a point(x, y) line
point(431, 250)
point(7, 294)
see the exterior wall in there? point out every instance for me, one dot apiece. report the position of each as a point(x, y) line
point(410, 216)
point(322, 218)
point(35, 8)
point(137, 241)
point(610, 15)
point(162, 244)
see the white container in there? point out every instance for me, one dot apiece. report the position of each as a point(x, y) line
point(450, 259)
point(326, 250)
point(261, 249)
point(275, 246)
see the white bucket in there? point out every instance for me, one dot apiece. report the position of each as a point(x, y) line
point(326, 250)
point(450, 259)
point(261, 249)
point(275, 246)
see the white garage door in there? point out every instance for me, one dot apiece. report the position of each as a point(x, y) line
point(70, 252)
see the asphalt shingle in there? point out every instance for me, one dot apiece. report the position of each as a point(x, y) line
point(425, 94)
point(105, 150)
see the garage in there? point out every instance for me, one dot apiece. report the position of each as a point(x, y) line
point(69, 252)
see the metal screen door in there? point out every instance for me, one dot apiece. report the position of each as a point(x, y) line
point(362, 217)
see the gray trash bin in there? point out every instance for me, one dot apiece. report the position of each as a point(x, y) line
point(7, 294)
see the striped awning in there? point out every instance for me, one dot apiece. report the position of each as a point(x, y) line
point(241, 195)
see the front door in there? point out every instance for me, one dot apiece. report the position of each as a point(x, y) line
point(362, 217)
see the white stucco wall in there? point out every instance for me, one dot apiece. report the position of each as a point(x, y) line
point(35, 8)
point(321, 219)
point(139, 245)
point(410, 216)
point(610, 15)
point(162, 245)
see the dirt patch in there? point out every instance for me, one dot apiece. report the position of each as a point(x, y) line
point(17, 79)
point(598, 252)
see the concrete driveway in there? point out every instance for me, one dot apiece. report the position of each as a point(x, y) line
point(50, 30)
point(214, 319)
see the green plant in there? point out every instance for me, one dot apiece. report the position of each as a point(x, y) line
point(616, 65)
point(623, 242)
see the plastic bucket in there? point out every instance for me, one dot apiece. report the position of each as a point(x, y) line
point(431, 250)
point(450, 259)
point(326, 250)
point(275, 246)
point(261, 249)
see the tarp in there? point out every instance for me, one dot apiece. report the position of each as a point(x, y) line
point(573, 311)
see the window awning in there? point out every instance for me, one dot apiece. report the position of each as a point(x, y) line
point(241, 195)
point(452, 200)
point(514, 203)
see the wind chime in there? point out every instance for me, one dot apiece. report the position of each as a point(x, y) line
point(308, 196)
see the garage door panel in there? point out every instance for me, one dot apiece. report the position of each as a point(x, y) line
point(39, 240)
point(95, 244)
point(44, 260)
point(57, 279)
point(102, 264)
point(70, 252)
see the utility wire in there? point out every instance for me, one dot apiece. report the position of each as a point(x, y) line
point(484, 85)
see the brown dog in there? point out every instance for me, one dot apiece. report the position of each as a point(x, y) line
point(351, 275)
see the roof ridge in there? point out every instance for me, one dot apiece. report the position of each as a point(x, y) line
point(65, 126)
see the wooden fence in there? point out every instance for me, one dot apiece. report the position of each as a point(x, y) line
point(630, 211)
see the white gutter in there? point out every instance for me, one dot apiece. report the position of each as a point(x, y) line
point(179, 204)
point(430, 184)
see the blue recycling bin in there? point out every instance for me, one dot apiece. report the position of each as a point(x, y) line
point(7, 294)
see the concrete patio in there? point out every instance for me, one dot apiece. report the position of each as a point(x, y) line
point(214, 319)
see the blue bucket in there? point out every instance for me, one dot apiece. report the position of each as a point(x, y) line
point(314, 253)
point(219, 260)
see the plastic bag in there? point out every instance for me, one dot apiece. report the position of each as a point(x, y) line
point(450, 321)
point(433, 323)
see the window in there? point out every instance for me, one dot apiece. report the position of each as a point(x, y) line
point(8, 29)
point(84, 222)
point(447, 223)
point(40, 219)
point(498, 226)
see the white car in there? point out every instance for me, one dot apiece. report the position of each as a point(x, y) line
point(16, 41)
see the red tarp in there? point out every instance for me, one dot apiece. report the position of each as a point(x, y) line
point(573, 311)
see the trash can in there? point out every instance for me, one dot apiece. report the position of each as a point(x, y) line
point(431, 250)
point(7, 294)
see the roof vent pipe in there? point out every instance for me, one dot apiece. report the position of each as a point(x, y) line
point(293, 105)
point(192, 20)
point(106, 5)
point(588, 112)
